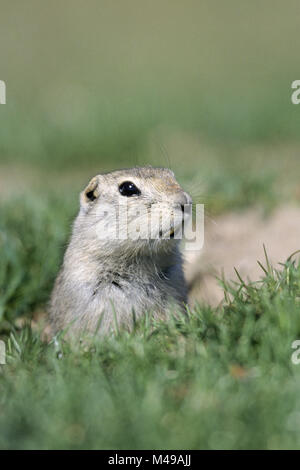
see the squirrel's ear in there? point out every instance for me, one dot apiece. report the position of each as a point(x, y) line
point(90, 193)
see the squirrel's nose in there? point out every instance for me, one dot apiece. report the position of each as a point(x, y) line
point(182, 199)
point(189, 200)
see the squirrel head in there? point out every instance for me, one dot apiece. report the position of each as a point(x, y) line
point(137, 207)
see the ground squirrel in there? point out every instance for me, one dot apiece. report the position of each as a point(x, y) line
point(107, 278)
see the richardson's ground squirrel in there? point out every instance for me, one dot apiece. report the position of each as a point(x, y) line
point(113, 270)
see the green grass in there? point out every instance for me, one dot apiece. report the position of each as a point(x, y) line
point(212, 379)
point(32, 238)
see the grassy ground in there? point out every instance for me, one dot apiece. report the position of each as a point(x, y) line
point(203, 87)
point(208, 380)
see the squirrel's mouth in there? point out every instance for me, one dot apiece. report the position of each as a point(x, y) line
point(167, 234)
point(170, 233)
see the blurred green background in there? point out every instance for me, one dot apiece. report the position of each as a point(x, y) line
point(201, 86)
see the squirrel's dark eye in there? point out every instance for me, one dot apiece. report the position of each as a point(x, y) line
point(129, 189)
point(91, 195)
